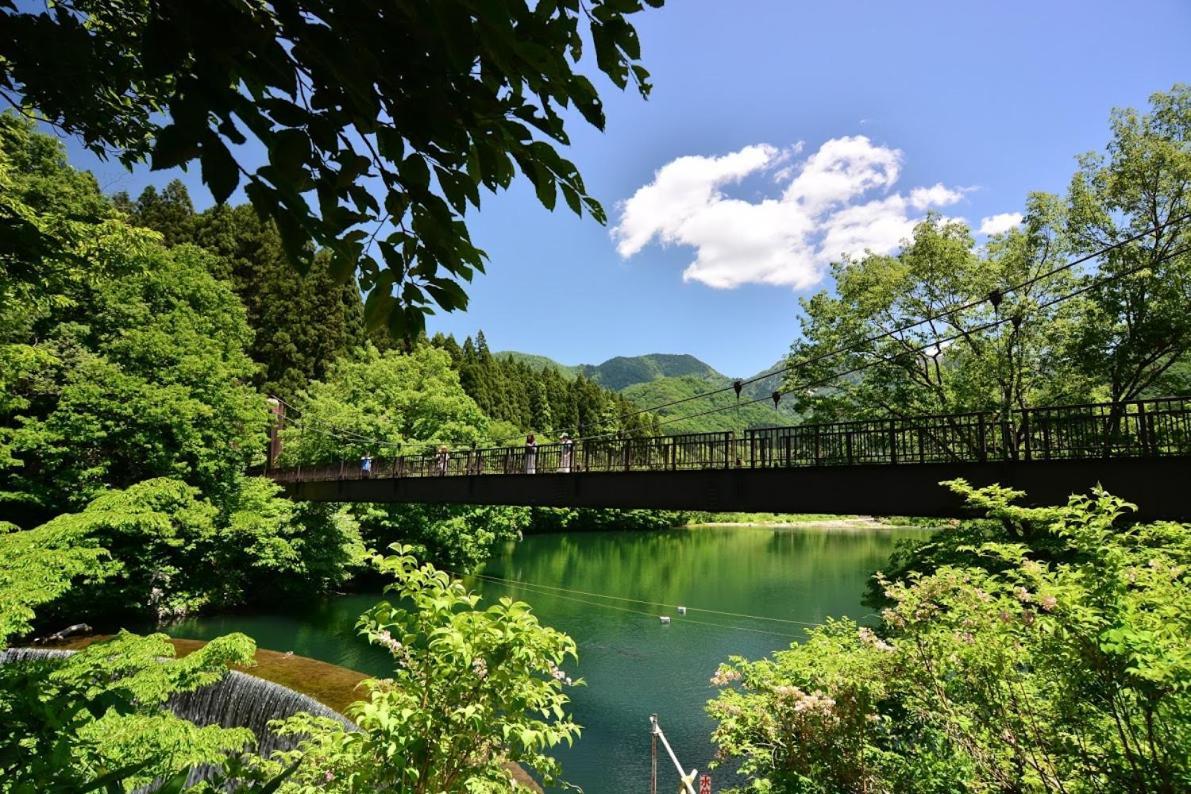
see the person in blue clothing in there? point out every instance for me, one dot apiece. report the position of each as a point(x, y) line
point(366, 465)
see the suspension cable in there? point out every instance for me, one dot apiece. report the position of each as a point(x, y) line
point(939, 315)
point(853, 347)
point(943, 340)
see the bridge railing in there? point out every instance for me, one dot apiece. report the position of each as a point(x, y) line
point(1141, 428)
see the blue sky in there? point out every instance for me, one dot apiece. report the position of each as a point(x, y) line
point(959, 107)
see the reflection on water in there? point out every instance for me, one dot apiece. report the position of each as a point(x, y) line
point(632, 664)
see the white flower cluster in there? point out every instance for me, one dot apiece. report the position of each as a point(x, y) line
point(559, 675)
point(724, 676)
point(394, 646)
point(868, 637)
point(814, 702)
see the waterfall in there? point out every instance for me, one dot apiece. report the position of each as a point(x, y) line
point(238, 700)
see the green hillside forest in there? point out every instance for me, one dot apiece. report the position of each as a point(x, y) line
point(656, 379)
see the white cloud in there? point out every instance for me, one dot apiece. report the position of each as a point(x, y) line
point(836, 202)
point(995, 224)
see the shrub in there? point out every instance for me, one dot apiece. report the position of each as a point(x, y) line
point(1011, 672)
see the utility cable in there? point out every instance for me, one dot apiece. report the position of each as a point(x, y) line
point(939, 315)
point(943, 340)
point(950, 311)
point(653, 615)
point(501, 580)
point(315, 426)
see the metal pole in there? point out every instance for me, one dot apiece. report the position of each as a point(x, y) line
point(687, 780)
point(653, 755)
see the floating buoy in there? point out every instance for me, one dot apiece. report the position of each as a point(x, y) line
point(682, 610)
point(665, 620)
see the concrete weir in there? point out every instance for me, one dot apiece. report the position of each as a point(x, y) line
point(238, 700)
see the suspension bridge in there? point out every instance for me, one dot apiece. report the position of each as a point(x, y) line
point(1139, 450)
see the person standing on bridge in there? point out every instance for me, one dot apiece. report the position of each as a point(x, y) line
point(366, 465)
point(441, 461)
point(531, 455)
point(566, 452)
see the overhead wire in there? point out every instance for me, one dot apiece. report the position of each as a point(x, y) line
point(939, 315)
point(502, 580)
point(335, 431)
point(531, 587)
point(941, 340)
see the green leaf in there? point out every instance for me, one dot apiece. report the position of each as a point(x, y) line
point(289, 150)
point(173, 146)
point(274, 783)
point(117, 776)
point(220, 171)
point(415, 175)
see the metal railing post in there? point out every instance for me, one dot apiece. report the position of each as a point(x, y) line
point(1141, 427)
point(893, 441)
point(1045, 437)
point(982, 435)
point(1025, 426)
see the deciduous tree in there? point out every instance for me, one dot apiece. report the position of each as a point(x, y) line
point(378, 121)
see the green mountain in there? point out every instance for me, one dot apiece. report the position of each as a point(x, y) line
point(659, 378)
point(624, 371)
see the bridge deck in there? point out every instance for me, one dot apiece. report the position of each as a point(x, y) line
point(1140, 451)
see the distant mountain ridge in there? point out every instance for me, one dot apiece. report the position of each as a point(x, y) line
point(623, 371)
point(620, 372)
point(657, 378)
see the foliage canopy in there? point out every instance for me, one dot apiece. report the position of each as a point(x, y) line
point(472, 689)
point(1009, 673)
point(421, 101)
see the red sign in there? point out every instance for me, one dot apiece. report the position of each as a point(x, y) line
point(704, 784)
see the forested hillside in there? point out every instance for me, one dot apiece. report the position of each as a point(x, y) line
point(725, 411)
point(539, 362)
point(302, 323)
point(659, 378)
point(623, 371)
point(539, 398)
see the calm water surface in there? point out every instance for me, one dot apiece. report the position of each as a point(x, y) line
point(633, 666)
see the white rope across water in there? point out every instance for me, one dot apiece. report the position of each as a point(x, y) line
point(571, 594)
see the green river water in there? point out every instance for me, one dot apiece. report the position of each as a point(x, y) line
point(632, 664)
